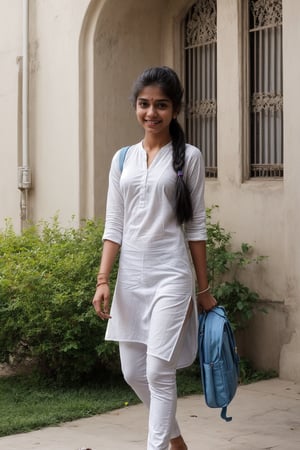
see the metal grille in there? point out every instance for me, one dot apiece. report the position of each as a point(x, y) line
point(266, 138)
point(200, 54)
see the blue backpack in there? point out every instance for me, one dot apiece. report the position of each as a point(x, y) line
point(219, 360)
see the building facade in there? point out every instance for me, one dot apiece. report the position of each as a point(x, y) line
point(238, 65)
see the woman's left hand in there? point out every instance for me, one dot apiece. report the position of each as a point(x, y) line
point(206, 301)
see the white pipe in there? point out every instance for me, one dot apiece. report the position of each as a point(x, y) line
point(24, 173)
point(25, 158)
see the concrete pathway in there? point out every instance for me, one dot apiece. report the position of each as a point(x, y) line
point(266, 415)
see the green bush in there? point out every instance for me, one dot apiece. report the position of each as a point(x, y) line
point(47, 281)
point(223, 266)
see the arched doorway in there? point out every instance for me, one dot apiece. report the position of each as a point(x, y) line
point(118, 40)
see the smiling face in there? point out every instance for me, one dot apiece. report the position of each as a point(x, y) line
point(154, 111)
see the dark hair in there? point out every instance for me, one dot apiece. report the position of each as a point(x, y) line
point(168, 81)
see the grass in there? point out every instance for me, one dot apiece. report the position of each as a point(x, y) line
point(27, 403)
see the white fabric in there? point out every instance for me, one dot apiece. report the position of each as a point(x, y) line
point(155, 279)
point(154, 381)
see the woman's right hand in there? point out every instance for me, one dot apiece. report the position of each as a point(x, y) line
point(101, 301)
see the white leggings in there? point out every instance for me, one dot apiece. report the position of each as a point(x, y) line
point(154, 381)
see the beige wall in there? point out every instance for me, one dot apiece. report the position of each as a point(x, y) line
point(84, 56)
point(122, 51)
point(10, 50)
point(261, 213)
point(290, 355)
point(53, 107)
point(54, 100)
point(253, 210)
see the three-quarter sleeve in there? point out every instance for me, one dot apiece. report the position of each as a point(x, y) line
point(114, 220)
point(195, 229)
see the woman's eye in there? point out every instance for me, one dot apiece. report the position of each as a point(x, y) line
point(162, 105)
point(143, 104)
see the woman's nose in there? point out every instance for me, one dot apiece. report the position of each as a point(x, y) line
point(152, 110)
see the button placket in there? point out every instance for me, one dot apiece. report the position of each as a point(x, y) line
point(144, 189)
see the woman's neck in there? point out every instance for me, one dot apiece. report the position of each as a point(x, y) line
point(151, 142)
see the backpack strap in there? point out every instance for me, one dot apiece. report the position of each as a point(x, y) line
point(122, 157)
point(224, 414)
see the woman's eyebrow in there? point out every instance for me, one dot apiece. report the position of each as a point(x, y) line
point(156, 100)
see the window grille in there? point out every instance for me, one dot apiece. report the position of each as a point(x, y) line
point(266, 102)
point(200, 59)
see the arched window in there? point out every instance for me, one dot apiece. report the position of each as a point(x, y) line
point(266, 94)
point(200, 70)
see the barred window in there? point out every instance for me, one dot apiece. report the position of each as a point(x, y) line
point(266, 94)
point(200, 67)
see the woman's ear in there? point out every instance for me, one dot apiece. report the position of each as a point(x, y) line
point(176, 113)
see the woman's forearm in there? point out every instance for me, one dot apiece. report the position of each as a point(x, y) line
point(198, 252)
point(205, 299)
point(109, 253)
point(101, 298)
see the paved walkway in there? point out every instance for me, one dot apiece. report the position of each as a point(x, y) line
point(266, 415)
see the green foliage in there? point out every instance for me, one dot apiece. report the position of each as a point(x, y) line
point(47, 280)
point(239, 301)
point(250, 375)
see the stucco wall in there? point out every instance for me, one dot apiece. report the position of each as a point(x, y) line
point(84, 56)
point(54, 28)
point(253, 210)
point(54, 118)
point(290, 263)
point(10, 50)
point(260, 212)
point(127, 39)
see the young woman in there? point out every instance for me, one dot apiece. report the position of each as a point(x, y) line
point(156, 216)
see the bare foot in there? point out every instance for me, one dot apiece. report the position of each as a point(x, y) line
point(178, 444)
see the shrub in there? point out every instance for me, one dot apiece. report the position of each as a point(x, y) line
point(223, 265)
point(47, 283)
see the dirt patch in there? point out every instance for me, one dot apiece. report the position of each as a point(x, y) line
point(7, 370)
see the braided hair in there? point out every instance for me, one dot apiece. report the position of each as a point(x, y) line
point(169, 83)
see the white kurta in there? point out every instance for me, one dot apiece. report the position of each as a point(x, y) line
point(155, 280)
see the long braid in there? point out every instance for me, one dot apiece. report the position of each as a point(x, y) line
point(183, 208)
point(170, 84)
